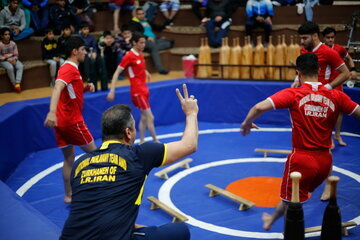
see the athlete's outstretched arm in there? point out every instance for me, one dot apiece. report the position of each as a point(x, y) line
point(356, 113)
point(111, 95)
point(255, 112)
point(51, 120)
point(342, 77)
point(189, 141)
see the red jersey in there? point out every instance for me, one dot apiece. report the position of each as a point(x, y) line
point(136, 68)
point(69, 108)
point(342, 53)
point(340, 50)
point(329, 61)
point(314, 110)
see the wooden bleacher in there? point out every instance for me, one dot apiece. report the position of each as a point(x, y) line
point(187, 35)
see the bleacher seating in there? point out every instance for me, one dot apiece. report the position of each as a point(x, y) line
point(186, 33)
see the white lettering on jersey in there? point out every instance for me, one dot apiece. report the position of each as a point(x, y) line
point(313, 110)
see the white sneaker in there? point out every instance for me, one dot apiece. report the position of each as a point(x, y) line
point(300, 8)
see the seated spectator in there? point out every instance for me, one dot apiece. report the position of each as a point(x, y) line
point(60, 16)
point(88, 67)
point(217, 15)
point(65, 35)
point(13, 18)
point(39, 14)
point(308, 5)
point(5, 3)
point(109, 52)
point(259, 13)
point(118, 5)
point(50, 54)
point(123, 41)
point(153, 44)
point(9, 58)
point(169, 8)
point(82, 12)
point(196, 5)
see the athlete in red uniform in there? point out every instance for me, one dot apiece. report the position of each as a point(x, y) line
point(314, 110)
point(329, 39)
point(65, 114)
point(134, 62)
point(329, 60)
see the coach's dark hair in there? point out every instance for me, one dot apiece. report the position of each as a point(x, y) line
point(309, 28)
point(139, 9)
point(115, 120)
point(73, 43)
point(136, 36)
point(307, 64)
point(328, 30)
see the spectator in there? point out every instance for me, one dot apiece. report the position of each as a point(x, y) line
point(50, 54)
point(60, 16)
point(14, 18)
point(108, 57)
point(123, 41)
point(26, 11)
point(81, 11)
point(39, 14)
point(217, 15)
point(169, 8)
point(88, 67)
point(153, 45)
point(259, 13)
point(308, 5)
point(196, 5)
point(9, 58)
point(118, 5)
point(66, 32)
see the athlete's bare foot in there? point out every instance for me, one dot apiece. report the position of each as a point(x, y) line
point(67, 199)
point(157, 141)
point(325, 196)
point(339, 139)
point(267, 221)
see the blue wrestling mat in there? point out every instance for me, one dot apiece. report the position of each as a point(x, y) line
point(224, 156)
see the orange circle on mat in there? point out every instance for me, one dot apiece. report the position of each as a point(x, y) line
point(263, 191)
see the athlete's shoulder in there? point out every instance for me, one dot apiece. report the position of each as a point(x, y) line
point(325, 48)
point(339, 47)
point(68, 66)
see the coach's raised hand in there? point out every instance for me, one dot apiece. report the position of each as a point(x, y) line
point(188, 104)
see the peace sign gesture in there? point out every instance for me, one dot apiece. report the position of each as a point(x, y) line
point(188, 104)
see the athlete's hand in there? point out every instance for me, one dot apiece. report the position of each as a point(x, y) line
point(246, 128)
point(51, 120)
point(111, 96)
point(188, 104)
point(89, 88)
